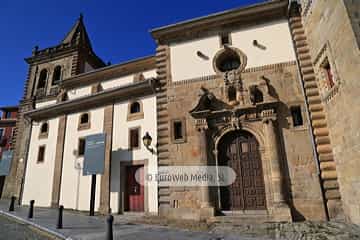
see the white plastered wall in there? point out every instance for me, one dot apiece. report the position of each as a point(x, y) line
point(275, 36)
point(117, 82)
point(39, 176)
point(121, 145)
point(44, 104)
point(79, 92)
point(75, 188)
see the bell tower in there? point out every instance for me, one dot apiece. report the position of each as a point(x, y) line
point(47, 69)
point(49, 66)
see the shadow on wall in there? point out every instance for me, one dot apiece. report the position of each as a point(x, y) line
point(118, 184)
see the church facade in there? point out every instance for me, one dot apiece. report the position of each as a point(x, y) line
point(254, 89)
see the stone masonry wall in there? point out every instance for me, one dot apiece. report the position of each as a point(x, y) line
point(299, 165)
point(331, 35)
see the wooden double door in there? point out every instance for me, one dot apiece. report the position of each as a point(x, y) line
point(240, 151)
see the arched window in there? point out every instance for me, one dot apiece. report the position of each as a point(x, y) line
point(44, 130)
point(42, 79)
point(84, 119)
point(57, 75)
point(135, 107)
point(256, 95)
point(232, 94)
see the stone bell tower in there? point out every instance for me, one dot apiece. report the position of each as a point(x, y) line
point(47, 69)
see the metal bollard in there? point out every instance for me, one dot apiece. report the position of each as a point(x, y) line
point(109, 229)
point(12, 204)
point(31, 209)
point(60, 218)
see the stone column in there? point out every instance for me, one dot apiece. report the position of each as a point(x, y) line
point(274, 157)
point(106, 177)
point(205, 191)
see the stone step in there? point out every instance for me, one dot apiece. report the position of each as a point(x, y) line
point(318, 115)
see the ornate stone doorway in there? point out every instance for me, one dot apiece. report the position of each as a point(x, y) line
point(240, 151)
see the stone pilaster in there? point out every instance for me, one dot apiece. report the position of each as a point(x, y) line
point(106, 177)
point(280, 210)
point(207, 209)
point(274, 157)
point(59, 154)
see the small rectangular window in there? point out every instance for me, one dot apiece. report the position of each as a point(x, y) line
point(225, 39)
point(8, 115)
point(134, 138)
point(178, 131)
point(41, 154)
point(81, 147)
point(296, 116)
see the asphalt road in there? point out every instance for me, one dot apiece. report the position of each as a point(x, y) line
point(17, 231)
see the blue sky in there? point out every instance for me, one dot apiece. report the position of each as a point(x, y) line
point(118, 29)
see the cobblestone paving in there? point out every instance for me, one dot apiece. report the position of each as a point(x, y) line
point(17, 231)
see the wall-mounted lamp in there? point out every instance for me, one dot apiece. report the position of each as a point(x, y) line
point(147, 140)
point(257, 44)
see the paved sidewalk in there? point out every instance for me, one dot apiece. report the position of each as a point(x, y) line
point(79, 226)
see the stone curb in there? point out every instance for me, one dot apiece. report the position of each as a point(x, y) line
point(41, 228)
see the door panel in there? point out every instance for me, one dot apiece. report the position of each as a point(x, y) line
point(135, 191)
point(240, 151)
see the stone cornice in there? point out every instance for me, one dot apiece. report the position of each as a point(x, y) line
point(92, 101)
point(255, 13)
point(113, 71)
point(247, 70)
